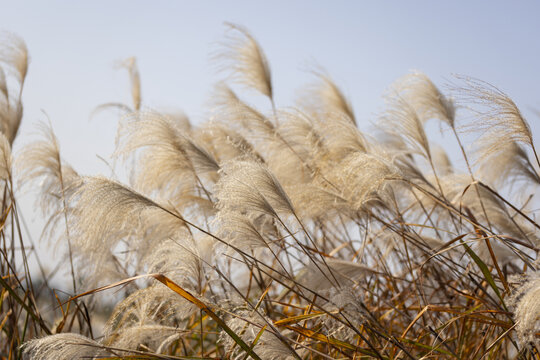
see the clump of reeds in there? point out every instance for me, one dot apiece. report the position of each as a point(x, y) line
point(282, 232)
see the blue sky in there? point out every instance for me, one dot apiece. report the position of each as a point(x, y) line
point(364, 46)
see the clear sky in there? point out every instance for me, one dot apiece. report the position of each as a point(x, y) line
point(364, 45)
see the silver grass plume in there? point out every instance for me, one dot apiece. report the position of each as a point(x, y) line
point(506, 166)
point(41, 161)
point(165, 138)
point(247, 186)
point(232, 109)
point(327, 98)
point(365, 177)
point(498, 120)
point(427, 100)
point(292, 152)
point(63, 347)
point(104, 205)
point(442, 162)
point(106, 214)
point(527, 309)
point(182, 259)
point(3, 87)
point(171, 161)
point(14, 53)
point(240, 230)
point(248, 324)
point(347, 301)
point(345, 272)
point(148, 316)
point(131, 65)
point(301, 131)
point(315, 200)
point(226, 143)
point(154, 229)
point(14, 60)
point(242, 55)
point(498, 214)
point(149, 336)
point(401, 119)
point(392, 147)
point(6, 159)
point(341, 137)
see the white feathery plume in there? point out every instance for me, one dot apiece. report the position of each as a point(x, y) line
point(182, 259)
point(327, 98)
point(401, 119)
point(66, 346)
point(345, 272)
point(498, 120)
point(6, 158)
point(151, 336)
point(248, 325)
point(151, 231)
point(41, 161)
point(300, 131)
point(247, 62)
point(152, 317)
point(316, 201)
point(429, 241)
point(426, 98)
point(14, 53)
point(247, 186)
point(3, 86)
point(14, 58)
point(441, 161)
point(239, 230)
point(478, 201)
point(180, 119)
point(365, 177)
point(392, 147)
point(292, 151)
point(235, 111)
point(108, 215)
point(348, 302)
point(334, 99)
point(104, 205)
point(527, 309)
point(341, 137)
point(170, 161)
point(11, 126)
point(100, 266)
point(131, 65)
point(507, 165)
point(154, 305)
point(226, 143)
point(166, 139)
